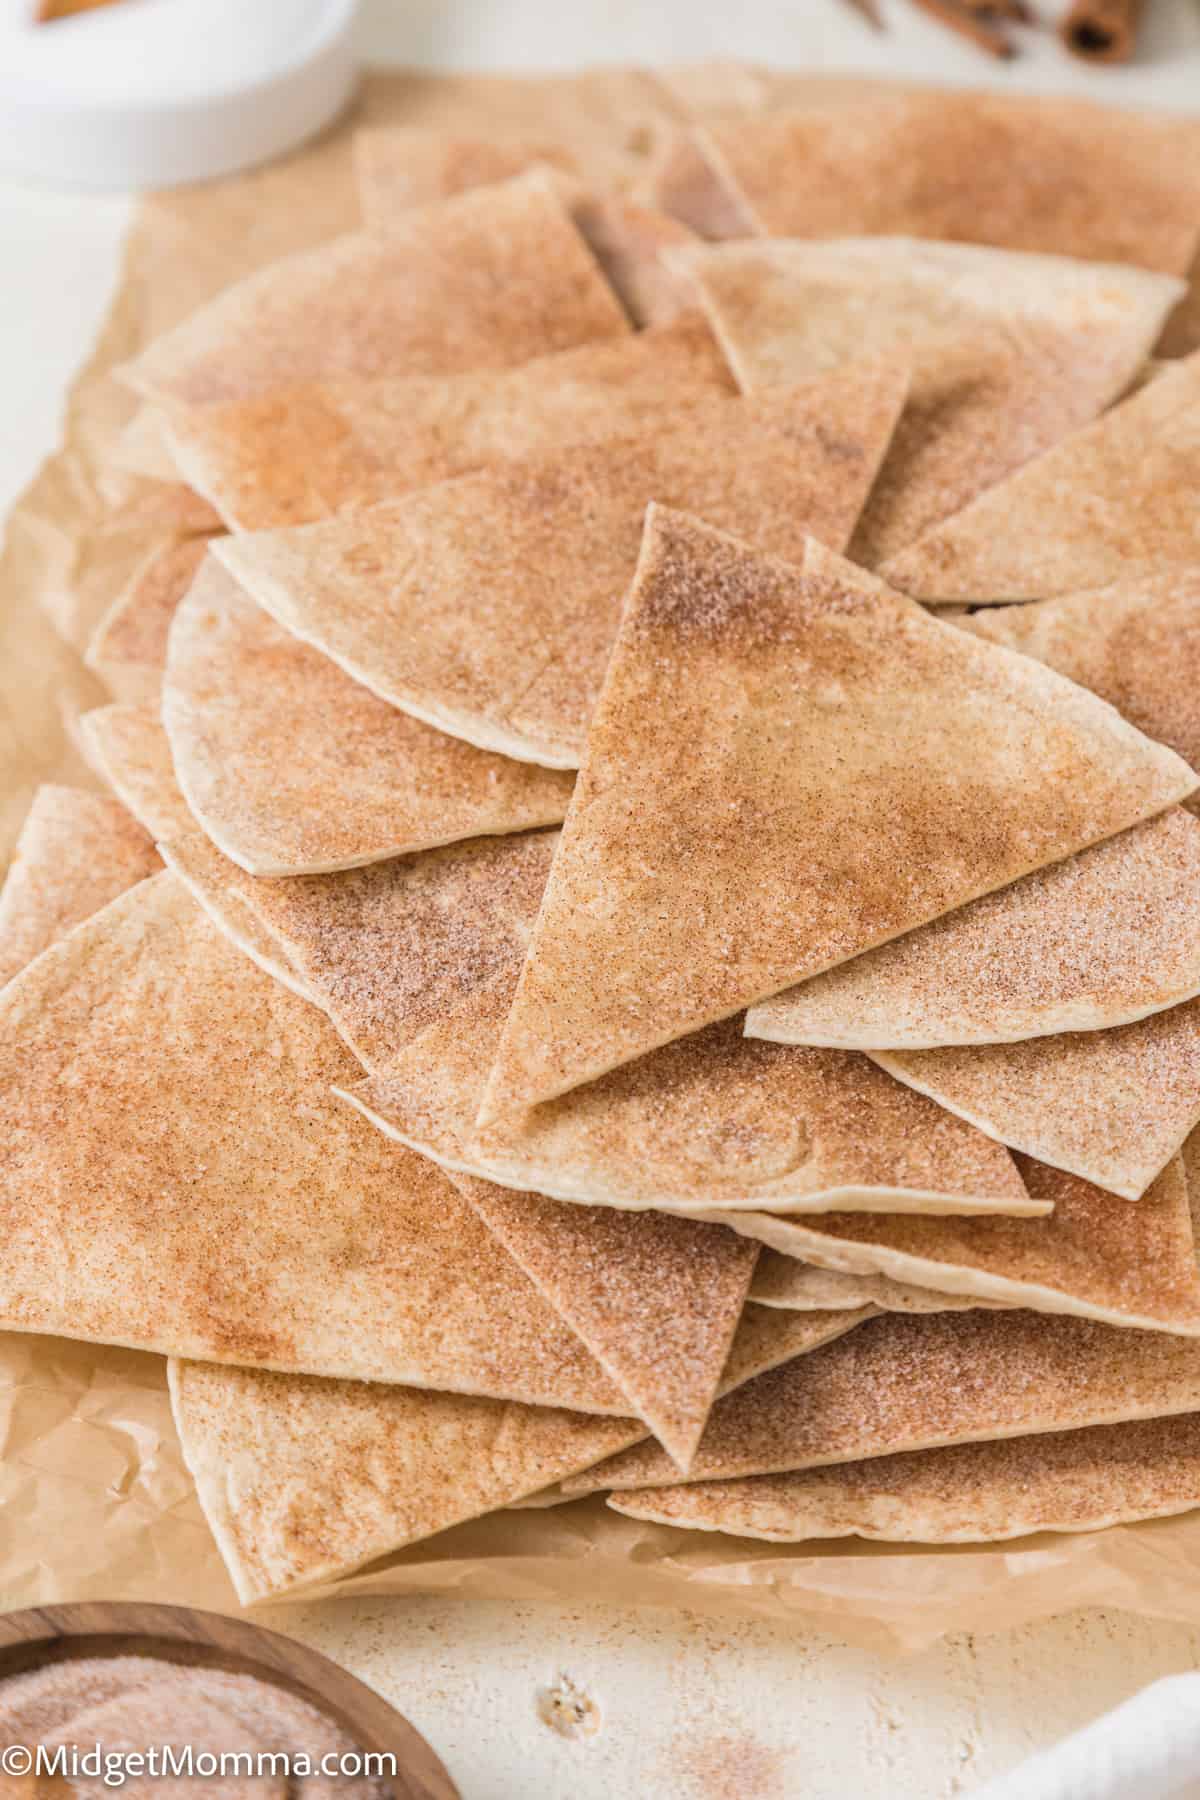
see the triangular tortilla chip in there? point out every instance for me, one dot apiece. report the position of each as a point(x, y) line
point(299, 454)
point(399, 168)
point(483, 281)
point(763, 1341)
point(488, 605)
point(1100, 939)
point(1045, 174)
point(632, 244)
point(1137, 645)
point(112, 534)
point(390, 949)
point(683, 181)
point(771, 746)
point(218, 1202)
point(1109, 503)
point(1010, 352)
point(76, 852)
point(1113, 1106)
point(1092, 1256)
point(714, 1120)
point(292, 768)
point(601, 123)
point(794, 1286)
point(128, 648)
point(304, 1479)
point(766, 1337)
point(899, 1384)
point(128, 749)
point(966, 1494)
point(656, 1300)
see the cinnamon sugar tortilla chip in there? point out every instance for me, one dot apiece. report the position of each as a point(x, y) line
point(298, 454)
point(1113, 1106)
point(76, 852)
point(656, 1300)
point(1043, 174)
point(304, 1479)
point(898, 1384)
point(606, 118)
point(771, 746)
point(128, 648)
point(764, 1340)
point(127, 747)
point(412, 166)
point(1099, 939)
point(1011, 352)
point(485, 280)
point(683, 181)
point(389, 949)
point(382, 949)
point(218, 1202)
point(1136, 644)
point(89, 568)
point(488, 605)
point(631, 243)
point(713, 1120)
point(1092, 1256)
point(292, 768)
point(965, 1494)
point(1110, 503)
point(783, 1281)
point(227, 895)
point(398, 167)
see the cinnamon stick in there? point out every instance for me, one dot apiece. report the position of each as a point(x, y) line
point(1016, 11)
point(1102, 30)
point(869, 10)
point(974, 22)
point(49, 10)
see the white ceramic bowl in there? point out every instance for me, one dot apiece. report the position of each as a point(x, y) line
point(150, 93)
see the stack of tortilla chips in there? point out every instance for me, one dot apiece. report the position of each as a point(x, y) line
point(646, 938)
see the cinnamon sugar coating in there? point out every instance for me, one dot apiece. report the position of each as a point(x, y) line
point(899, 1384)
point(1066, 177)
point(522, 283)
point(1098, 939)
point(300, 453)
point(76, 852)
point(1093, 1255)
point(292, 768)
point(1110, 503)
point(176, 1176)
point(488, 605)
point(787, 767)
point(1011, 351)
point(969, 1493)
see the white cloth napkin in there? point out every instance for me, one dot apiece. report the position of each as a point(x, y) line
point(1146, 1749)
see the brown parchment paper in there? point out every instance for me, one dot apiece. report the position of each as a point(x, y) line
point(95, 1501)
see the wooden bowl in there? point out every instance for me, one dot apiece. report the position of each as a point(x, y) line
point(181, 1634)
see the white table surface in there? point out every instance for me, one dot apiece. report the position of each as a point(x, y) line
point(689, 1709)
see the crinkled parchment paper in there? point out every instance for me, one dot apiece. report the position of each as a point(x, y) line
point(94, 1499)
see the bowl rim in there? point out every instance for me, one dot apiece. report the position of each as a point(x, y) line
point(36, 1636)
